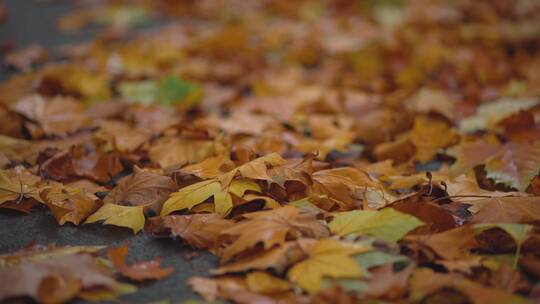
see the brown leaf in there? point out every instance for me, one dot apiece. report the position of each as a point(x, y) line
point(142, 188)
point(506, 210)
point(198, 230)
point(436, 218)
point(276, 258)
point(64, 273)
point(424, 281)
point(168, 152)
point(82, 161)
point(69, 204)
point(57, 116)
point(270, 228)
point(139, 271)
point(339, 185)
point(451, 244)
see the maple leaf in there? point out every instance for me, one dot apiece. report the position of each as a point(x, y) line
point(198, 230)
point(139, 271)
point(270, 228)
point(142, 188)
point(506, 210)
point(262, 282)
point(123, 216)
point(387, 224)
point(195, 194)
point(326, 258)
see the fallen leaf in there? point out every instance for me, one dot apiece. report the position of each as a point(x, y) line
point(123, 216)
point(387, 224)
point(57, 116)
point(262, 282)
point(198, 230)
point(424, 282)
point(195, 194)
point(271, 228)
point(69, 204)
point(142, 188)
point(57, 278)
point(309, 272)
point(139, 271)
point(506, 210)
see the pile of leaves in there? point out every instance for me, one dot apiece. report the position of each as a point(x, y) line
point(326, 151)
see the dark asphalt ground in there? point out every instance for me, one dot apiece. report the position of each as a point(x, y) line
point(30, 22)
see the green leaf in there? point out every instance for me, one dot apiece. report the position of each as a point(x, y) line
point(169, 91)
point(173, 90)
point(387, 224)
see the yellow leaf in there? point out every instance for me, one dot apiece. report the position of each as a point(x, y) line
point(223, 202)
point(190, 196)
point(387, 224)
point(124, 216)
point(430, 135)
point(327, 258)
point(240, 186)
